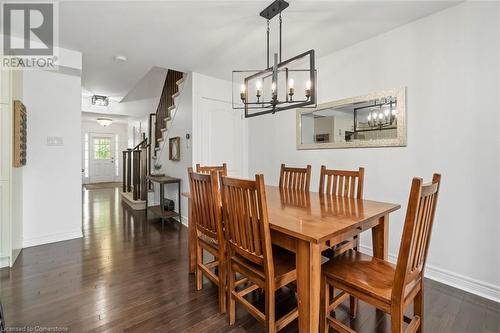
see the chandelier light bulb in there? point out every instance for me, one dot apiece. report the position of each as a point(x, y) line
point(308, 89)
point(242, 93)
point(380, 116)
point(394, 112)
point(386, 112)
point(291, 89)
point(369, 118)
point(273, 87)
point(258, 93)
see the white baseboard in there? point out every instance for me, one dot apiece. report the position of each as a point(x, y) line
point(184, 220)
point(52, 238)
point(471, 285)
point(4, 262)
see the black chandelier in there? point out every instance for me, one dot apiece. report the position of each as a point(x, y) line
point(284, 85)
point(382, 114)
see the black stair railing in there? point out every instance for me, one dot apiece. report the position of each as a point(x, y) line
point(135, 170)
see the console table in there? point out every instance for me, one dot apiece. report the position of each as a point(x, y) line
point(159, 210)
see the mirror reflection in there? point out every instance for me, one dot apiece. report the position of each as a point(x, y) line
point(375, 120)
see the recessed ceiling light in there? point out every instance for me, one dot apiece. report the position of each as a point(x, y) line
point(120, 58)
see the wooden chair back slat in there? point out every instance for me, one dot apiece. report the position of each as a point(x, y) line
point(205, 204)
point(416, 233)
point(246, 221)
point(221, 169)
point(342, 183)
point(295, 178)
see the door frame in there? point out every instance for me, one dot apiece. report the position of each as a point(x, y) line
point(112, 138)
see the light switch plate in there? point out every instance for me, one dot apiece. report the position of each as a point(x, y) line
point(55, 141)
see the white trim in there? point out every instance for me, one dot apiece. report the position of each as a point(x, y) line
point(63, 236)
point(471, 285)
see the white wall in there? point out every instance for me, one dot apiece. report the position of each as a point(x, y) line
point(52, 177)
point(115, 129)
point(220, 134)
point(449, 63)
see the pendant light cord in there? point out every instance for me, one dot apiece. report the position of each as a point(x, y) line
point(267, 44)
point(280, 36)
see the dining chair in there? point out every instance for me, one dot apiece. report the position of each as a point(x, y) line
point(388, 287)
point(295, 178)
point(221, 169)
point(345, 184)
point(250, 252)
point(207, 215)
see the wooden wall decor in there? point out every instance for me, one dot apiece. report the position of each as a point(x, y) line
point(20, 121)
point(174, 151)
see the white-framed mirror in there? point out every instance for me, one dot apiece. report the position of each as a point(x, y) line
point(372, 120)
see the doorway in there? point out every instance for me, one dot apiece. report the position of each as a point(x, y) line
point(102, 158)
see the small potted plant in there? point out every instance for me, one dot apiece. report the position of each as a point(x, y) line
point(157, 167)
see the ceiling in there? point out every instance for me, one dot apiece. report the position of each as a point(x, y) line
point(213, 37)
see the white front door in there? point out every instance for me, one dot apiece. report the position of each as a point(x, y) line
point(102, 158)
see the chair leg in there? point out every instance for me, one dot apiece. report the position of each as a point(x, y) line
point(418, 308)
point(198, 271)
point(325, 302)
point(397, 318)
point(222, 284)
point(353, 306)
point(270, 310)
point(231, 302)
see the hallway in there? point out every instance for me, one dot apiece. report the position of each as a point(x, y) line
point(130, 275)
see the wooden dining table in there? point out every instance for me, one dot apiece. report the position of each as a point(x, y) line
point(307, 223)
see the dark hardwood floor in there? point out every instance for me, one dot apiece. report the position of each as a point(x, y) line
point(129, 274)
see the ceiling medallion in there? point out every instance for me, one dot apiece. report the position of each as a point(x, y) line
point(281, 86)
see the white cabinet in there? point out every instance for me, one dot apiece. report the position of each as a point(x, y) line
point(10, 178)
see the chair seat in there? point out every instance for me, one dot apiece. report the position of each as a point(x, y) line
point(284, 267)
point(362, 272)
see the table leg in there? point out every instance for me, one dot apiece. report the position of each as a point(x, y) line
point(380, 238)
point(308, 285)
point(191, 240)
point(162, 208)
point(179, 196)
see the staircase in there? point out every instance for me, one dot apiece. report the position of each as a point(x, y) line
point(138, 161)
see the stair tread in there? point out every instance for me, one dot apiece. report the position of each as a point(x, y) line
point(172, 107)
point(181, 80)
point(176, 94)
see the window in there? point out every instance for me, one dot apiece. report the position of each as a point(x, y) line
point(102, 148)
